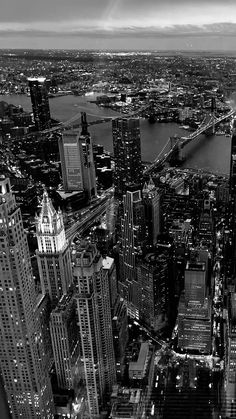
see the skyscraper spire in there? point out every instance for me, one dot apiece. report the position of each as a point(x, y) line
point(151, 184)
point(53, 254)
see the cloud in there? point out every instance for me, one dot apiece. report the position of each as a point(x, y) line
point(222, 29)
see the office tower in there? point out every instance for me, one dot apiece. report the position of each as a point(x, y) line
point(127, 153)
point(151, 200)
point(132, 238)
point(43, 310)
point(23, 371)
point(230, 346)
point(70, 156)
point(120, 335)
point(53, 254)
point(88, 166)
point(195, 282)
point(110, 267)
point(40, 103)
point(77, 165)
point(153, 284)
point(194, 311)
point(232, 194)
point(65, 340)
point(93, 301)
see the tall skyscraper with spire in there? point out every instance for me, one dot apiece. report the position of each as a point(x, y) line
point(94, 311)
point(22, 355)
point(53, 254)
point(127, 153)
point(40, 102)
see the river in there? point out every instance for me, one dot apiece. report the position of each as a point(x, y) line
point(207, 153)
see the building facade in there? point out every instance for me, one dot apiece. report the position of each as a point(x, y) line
point(194, 311)
point(151, 200)
point(232, 194)
point(153, 284)
point(127, 153)
point(40, 103)
point(22, 354)
point(132, 238)
point(65, 341)
point(77, 164)
point(53, 254)
point(93, 302)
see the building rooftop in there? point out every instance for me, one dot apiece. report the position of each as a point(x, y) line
point(195, 266)
point(107, 263)
point(39, 79)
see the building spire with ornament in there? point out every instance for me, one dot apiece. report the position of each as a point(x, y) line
point(53, 254)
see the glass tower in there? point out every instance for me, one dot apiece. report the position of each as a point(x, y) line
point(127, 153)
point(40, 103)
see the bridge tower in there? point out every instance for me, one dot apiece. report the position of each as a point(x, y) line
point(176, 156)
point(152, 116)
point(211, 130)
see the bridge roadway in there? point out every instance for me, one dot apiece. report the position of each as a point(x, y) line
point(68, 124)
point(80, 226)
point(183, 141)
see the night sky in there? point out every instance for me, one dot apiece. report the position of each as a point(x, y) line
point(119, 24)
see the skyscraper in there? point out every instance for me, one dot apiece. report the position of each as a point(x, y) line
point(132, 238)
point(151, 200)
point(77, 165)
point(194, 311)
point(53, 254)
point(88, 166)
point(127, 153)
point(153, 284)
point(93, 301)
point(25, 378)
point(65, 340)
point(232, 192)
point(40, 103)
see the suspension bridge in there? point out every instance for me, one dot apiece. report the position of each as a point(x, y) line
point(75, 121)
point(175, 145)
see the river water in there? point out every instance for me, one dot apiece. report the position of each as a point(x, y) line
point(208, 153)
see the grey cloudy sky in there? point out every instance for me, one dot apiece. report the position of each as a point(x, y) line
point(121, 24)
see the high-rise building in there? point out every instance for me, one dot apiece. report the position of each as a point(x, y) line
point(71, 165)
point(132, 238)
point(230, 376)
point(53, 254)
point(127, 153)
point(40, 103)
point(43, 310)
point(93, 301)
point(153, 284)
point(88, 166)
point(120, 335)
point(23, 370)
point(194, 311)
point(65, 340)
point(151, 200)
point(232, 194)
point(77, 165)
